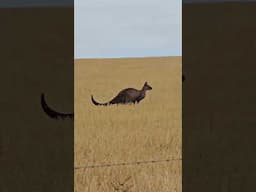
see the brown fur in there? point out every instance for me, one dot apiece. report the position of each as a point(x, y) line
point(127, 96)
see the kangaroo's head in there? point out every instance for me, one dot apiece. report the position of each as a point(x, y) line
point(147, 86)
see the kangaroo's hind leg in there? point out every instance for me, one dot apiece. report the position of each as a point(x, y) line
point(122, 99)
point(137, 101)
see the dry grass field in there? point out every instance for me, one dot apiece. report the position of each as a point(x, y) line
point(124, 134)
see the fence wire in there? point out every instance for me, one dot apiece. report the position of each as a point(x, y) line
point(126, 163)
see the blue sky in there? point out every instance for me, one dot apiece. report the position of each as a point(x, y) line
point(134, 28)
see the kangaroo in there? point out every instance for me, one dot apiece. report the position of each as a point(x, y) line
point(127, 96)
point(52, 113)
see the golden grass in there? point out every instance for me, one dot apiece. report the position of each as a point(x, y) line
point(117, 134)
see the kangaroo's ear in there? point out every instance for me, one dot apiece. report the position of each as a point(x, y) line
point(146, 83)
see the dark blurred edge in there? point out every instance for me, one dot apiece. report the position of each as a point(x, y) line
point(219, 124)
point(37, 3)
point(215, 1)
point(37, 52)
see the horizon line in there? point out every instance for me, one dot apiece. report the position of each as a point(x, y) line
point(142, 57)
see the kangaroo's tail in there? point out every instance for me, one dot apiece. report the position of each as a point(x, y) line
point(52, 113)
point(97, 103)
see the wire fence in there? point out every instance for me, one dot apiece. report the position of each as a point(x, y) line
point(134, 163)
